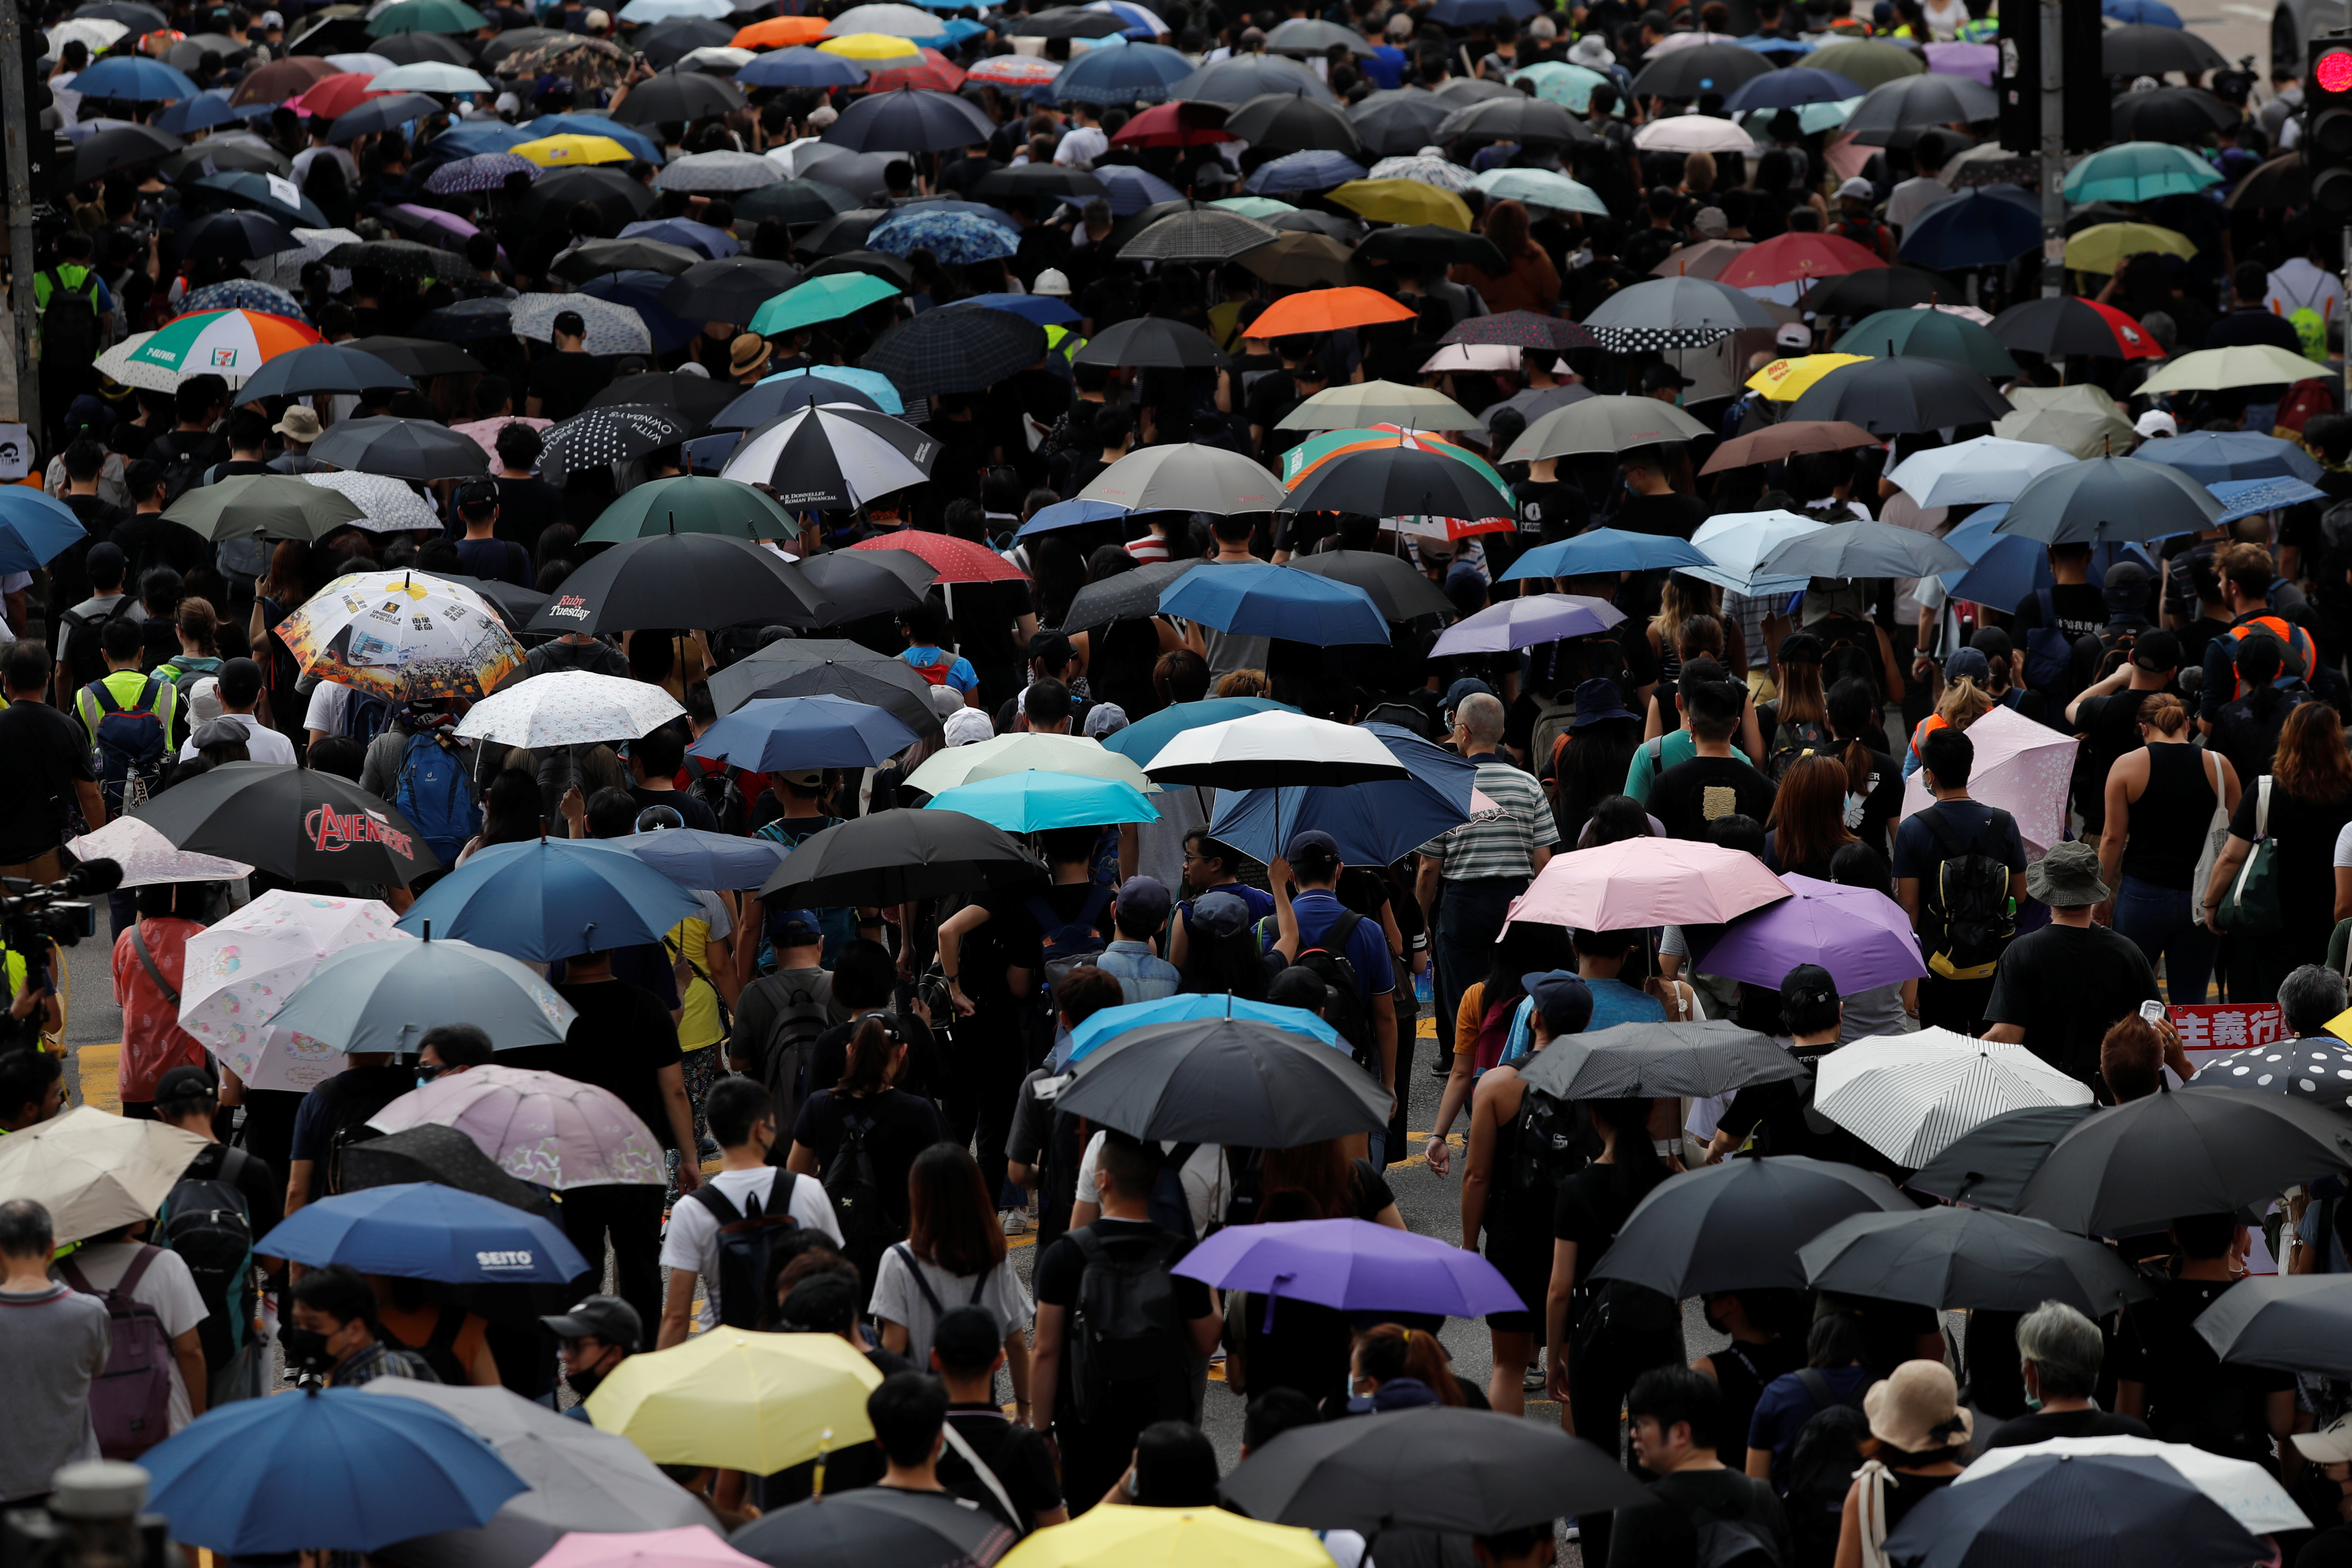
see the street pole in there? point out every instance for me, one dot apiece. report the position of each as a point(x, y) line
point(2054, 148)
point(15, 127)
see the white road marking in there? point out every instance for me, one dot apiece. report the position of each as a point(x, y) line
point(2256, 12)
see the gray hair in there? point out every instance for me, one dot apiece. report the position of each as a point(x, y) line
point(26, 1230)
point(2064, 1347)
point(1482, 715)
point(2310, 996)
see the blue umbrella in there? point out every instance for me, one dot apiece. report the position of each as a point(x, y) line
point(1977, 229)
point(956, 238)
point(1788, 89)
point(772, 732)
point(1039, 802)
point(2244, 497)
point(872, 383)
point(471, 137)
point(551, 899)
point(761, 403)
point(2074, 1508)
point(2209, 455)
point(1607, 550)
point(1314, 170)
point(422, 1230)
point(1113, 1022)
point(2103, 498)
point(628, 136)
point(136, 78)
point(1263, 600)
point(1375, 824)
point(33, 527)
point(324, 1470)
point(245, 188)
point(1138, 73)
point(2004, 569)
point(1130, 189)
point(801, 68)
point(2147, 13)
point(695, 858)
point(1470, 13)
point(715, 243)
point(1143, 740)
point(641, 291)
point(1775, 46)
point(1044, 310)
point(201, 112)
point(480, 172)
point(1074, 513)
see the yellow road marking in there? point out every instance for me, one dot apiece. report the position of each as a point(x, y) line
point(101, 1076)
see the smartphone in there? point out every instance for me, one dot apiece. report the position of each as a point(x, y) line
point(2154, 1012)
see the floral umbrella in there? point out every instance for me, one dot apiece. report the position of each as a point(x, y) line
point(243, 294)
point(537, 1126)
point(1428, 170)
point(390, 505)
point(229, 343)
point(1015, 71)
point(612, 328)
point(403, 634)
point(242, 968)
point(954, 237)
point(147, 857)
point(588, 62)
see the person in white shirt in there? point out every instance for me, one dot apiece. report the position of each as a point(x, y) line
point(2300, 283)
point(1085, 143)
point(953, 1257)
point(239, 686)
point(1207, 1185)
point(743, 1118)
point(164, 1284)
point(1923, 190)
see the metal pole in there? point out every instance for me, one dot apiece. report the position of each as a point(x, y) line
point(2343, 262)
point(2054, 149)
point(15, 128)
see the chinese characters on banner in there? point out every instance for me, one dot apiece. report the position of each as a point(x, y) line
point(2217, 1029)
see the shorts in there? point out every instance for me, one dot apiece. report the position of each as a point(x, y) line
point(1525, 1264)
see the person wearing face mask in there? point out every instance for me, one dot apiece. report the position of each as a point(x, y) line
point(596, 1335)
point(2058, 1353)
point(330, 1333)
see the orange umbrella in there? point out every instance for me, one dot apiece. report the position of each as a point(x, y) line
point(1327, 311)
point(779, 32)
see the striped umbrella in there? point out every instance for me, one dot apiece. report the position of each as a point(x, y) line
point(231, 343)
point(1015, 71)
point(1911, 1096)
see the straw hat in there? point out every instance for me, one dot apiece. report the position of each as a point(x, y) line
point(1918, 1409)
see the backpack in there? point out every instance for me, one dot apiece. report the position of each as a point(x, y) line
point(1732, 1542)
point(1548, 1146)
point(2294, 651)
point(365, 716)
point(746, 1237)
point(130, 1402)
point(1343, 1004)
point(1493, 1035)
point(1074, 944)
point(851, 1181)
point(86, 667)
point(725, 799)
point(1968, 917)
point(1792, 742)
point(1554, 714)
point(70, 321)
point(1821, 1469)
point(784, 1055)
point(2049, 651)
point(129, 746)
point(184, 670)
point(935, 674)
point(1125, 1330)
point(208, 1222)
point(180, 471)
point(433, 792)
point(1171, 1210)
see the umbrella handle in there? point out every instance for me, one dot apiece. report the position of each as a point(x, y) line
point(1273, 1286)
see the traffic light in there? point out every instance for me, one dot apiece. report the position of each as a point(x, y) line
point(2327, 125)
point(2017, 77)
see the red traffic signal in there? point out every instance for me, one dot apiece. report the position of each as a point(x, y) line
point(2327, 127)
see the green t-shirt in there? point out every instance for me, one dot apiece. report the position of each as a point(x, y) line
point(1680, 746)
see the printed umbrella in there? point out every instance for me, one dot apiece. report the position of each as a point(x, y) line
point(1787, 380)
point(1112, 1022)
point(1911, 1096)
point(951, 560)
point(968, 351)
point(2319, 1070)
point(613, 433)
point(424, 1230)
point(1008, 756)
point(1006, 70)
point(241, 970)
point(295, 823)
point(1262, 600)
point(1736, 1226)
point(1225, 1080)
point(612, 328)
point(1860, 935)
point(244, 294)
point(147, 857)
point(1968, 1259)
point(678, 580)
point(1352, 1265)
point(833, 455)
point(384, 505)
point(893, 857)
point(550, 898)
point(95, 1172)
point(569, 707)
point(229, 343)
point(542, 1128)
point(821, 731)
point(1984, 469)
point(482, 172)
point(2244, 497)
point(2105, 500)
point(1646, 883)
point(2021, 766)
point(1676, 313)
point(1375, 824)
point(958, 239)
point(1039, 802)
point(402, 635)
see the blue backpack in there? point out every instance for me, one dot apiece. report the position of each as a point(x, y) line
point(434, 794)
point(366, 716)
point(131, 749)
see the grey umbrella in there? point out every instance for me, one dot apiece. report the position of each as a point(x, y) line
point(2102, 500)
point(1304, 36)
point(1123, 595)
point(2298, 1323)
point(1186, 478)
point(1224, 1080)
point(1862, 549)
point(578, 1478)
point(1713, 1057)
point(1738, 1225)
point(1973, 1259)
point(1207, 234)
point(400, 448)
point(826, 667)
point(1401, 592)
point(383, 996)
point(1400, 120)
point(279, 506)
point(1601, 425)
point(1901, 397)
point(1676, 313)
point(1893, 113)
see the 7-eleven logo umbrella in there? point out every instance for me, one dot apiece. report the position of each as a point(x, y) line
point(230, 343)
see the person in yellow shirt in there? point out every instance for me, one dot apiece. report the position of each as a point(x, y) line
point(701, 950)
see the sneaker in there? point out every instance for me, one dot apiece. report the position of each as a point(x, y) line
point(1014, 1221)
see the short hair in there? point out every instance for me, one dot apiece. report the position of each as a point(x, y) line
point(2203, 1235)
point(1481, 714)
point(84, 459)
point(906, 1411)
point(1835, 1341)
point(735, 1106)
point(123, 638)
point(340, 755)
point(2249, 278)
point(458, 1045)
point(967, 1341)
point(26, 1230)
point(1047, 701)
point(2064, 1348)
point(1068, 845)
point(519, 447)
point(1672, 1394)
point(26, 665)
point(2246, 567)
point(197, 1098)
point(1714, 707)
point(1949, 755)
point(338, 1291)
point(1175, 1467)
point(2131, 1058)
point(1085, 992)
point(612, 814)
point(24, 1078)
point(569, 323)
point(927, 621)
point(1129, 1163)
point(662, 750)
point(2309, 996)
point(822, 1303)
point(1603, 944)
point(1275, 1412)
point(247, 430)
point(1737, 830)
point(864, 974)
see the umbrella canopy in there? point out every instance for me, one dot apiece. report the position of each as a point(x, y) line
point(1198, 235)
point(440, 1155)
point(2022, 766)
point(2071, 325)
point(967, 351)
point(93, 1171)
point(1286, 123)
point(773, 732)
point(1353, 407)
point(614, 433)
point(2292, 1322)
point(1972, 1259)
point(1524, 622)
point(278, 506)
point(1396, 590)
point(1737, 543)
point(1272, 751)
point(423, 1230)
point(1989, 1166)
point(1796, 257)
point(836, 457)
point(1261, 600)
point(2319, 1070)
point(806, 667)
point(1400, 479)
point(678, 580)
point(732, 288)
point(147, 857)
point(1935, 334)
point(2110, 499)
point(1152, 340)
point(1185, 478)
point(540, 1127)
point(1603, 550)
point(550, 898)
point(1698, 69)
point(1714, 1056)
point(2220, 370)
point(1859, 934)
point(1374, 824)
point(849, 586)
point(2138, 171)
point(1038, 801)
point(2212, 456)
point(1143, 740)
point(1138, 73)
point(698, 860)
point(1599, 425)
point(1126, 597)
point(240, 972)
point(1237, 79)
point(1894, 113)
point(906, 120)
point(1225, 1080)
point(870, 1524)
point(1911, 1097)
point(821, 300)
point(1987, 468)
point(1738, 1225)
point(760, 1403)
point(1112, 1022)
point(229, 343)
point(1645, 882)
point(1859, 549)
point(569, 707)
point(401, 634)
point(1901, 396)
point(400, 448)
point(352, 1008)
point(1982, 228)
point(321, 367)
point(1352, 1265)
point(2245, 1490)
point(2062, 1508)
point(1192, 1536)
point(294, 823)
point(898, 856)
point(1787, 438)
point(1011, 755)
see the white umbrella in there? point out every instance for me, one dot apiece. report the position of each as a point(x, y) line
point(147, 857)
point(569, 707)
point(641, 13)
point(1022, 754)
point(364, 64)
point(96, 32)
point(1737, 541)
point(117, 365)
point(2217, 370)
point(2247, 1493)
point(1987, 468)
point(1186, 478)
point(391, 506)
point(431, 75)
point(717, 172)
point(827, 456)
point(284, 269)
point(721, 57)
point(1910, 1096)
point(1275, 750)
point(1379, 402)
point(1490, 357)
point(242, 968)
point(897, 21)
point(1693, 133)
point(93, 1171)
point(612, 328)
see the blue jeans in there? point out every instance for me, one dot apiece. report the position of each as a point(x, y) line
point(2157, 921)
point(1469, 919)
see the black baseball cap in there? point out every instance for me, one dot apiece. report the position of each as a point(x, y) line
point(184, 1083)
point(605, 1318)
point(240, 683)
point(2156, 649)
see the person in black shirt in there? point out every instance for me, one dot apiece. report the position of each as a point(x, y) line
point(966, 1351)
point(2058, 1352)
point(1674, 1414)
point(483, 552)
point(526, 503)
point(2169, 1376)
point(2072, 607)
point(1690, 796)
point(1768, 1341)
point(562, 380)
point(654, 759)
point(46, 769)
point(185, 1097)
point(895, 1126)
point(1653, 506)
point(2058, 990)
point(2106, 716)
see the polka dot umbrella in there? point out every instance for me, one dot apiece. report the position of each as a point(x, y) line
point(612, 434)
point(2319, 1070)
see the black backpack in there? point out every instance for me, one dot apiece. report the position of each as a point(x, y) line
point(84, 660)
point(1343, 1003)
point(1126, 1331)
point(1548, 1146)
point(1171, 1210)
point(856, 1188)
point(208, 1222)
point(1732, 1542)
point(746, 1237)
point(181, 470)
point(1822, 1463)
point(1968, 917)
point(726, 801)
point(791, 1039)
point(70, 321)
point(1792, 742)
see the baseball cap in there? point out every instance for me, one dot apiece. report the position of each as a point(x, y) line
point(1464, 587)
point(1052, 648)
point(966, 725)
point(2331, 1445)
point(218, 732)
point(1993, 643)
point(2155, 650)
point(1563, 999)
point(105, 553)
point(1298, 987)
point(1856, 188)
point(2156, 423)
point(1711, 223)
point(240, 683)
point(805, 778)
point(1052, 281)
point(1146, 897)
point(1968, 663)
point(1808, 983)
point(1104, 719)
point(205, 698)
point(1218, 914)
point(478, 492)
point(1468, 685)
point(1793, 336)
point(794, 928)
point(1661, 376)
point(184, 1083)
point(1313, 841)
point(606, 1318)
point(946, 702)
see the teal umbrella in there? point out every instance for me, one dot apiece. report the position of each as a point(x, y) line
point(426, 16)
point(692, 504)
point(872, 383)
point(2138, 171)
point(1038, 801)
point(826, 299)
point(1930, 334)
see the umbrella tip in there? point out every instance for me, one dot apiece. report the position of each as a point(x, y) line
point(429, 930)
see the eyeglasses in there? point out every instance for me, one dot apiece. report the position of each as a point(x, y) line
point(426, 1073)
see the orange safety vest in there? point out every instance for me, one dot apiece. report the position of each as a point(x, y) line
point(2296, 660)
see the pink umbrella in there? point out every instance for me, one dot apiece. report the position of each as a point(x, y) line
point(485, 432)
point(692, 1546)
point(1646, 883)
point(1974, 61)
point(148, 857)
point(2021, 768)
point(539, 1126)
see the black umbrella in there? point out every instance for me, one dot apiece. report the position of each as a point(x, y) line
point(1738, 1225)
point(844, 231)
point(135, 14)
point(378, 115)
point(1429, 245)
point(321, 367)
point(730, 290)
point(1234, 81)
point(2131, 1168)
point(2065, 325)
point(1462, 90)
point(875, 263)
point(908, 119)
point(1029, 180)
point(1401, 592)
point(851, 584)
point(515, 604)
point(1462, 1472)
point(226, 152)
point(702, 580)
point(613, 432)
point(1125, 596)
point(594, 257)
point(2079, 1509)
point(2318, 1069)
point(667, 43)
point(1222, 1080)
point(2144, 49)
point(1332, 225)
point(1400, 121)
point(120, 147)
point(857, 175)
point(1901, 397)
point(514, 38)
point(466, 321)
point(236, 236)
point(1878, 289)
point(755, 406)
point(1700, 69)
point(1894, 113)
point(1152, 340)
point(897, 857)
point(619, 200)
point(1532, 122)
point(824, 666)
point(811, 200)
point(401, 258)
point(955, 351)
point(2294, 1322)
point(2180, 115)
point(1989, 1165)
point(295, 823)
point(1713, 1057)
point(672, 99)
point(859, 1527)
point(2284, 182)
point(1286, 123)
point(436, 1154)
point(1068, 22)
point(1972, 1259)
point(418, 49)
point(697, 399)
point(1197, 234)
point(1402, 481)
point(402, 449)
point(418, 356)
point(2110, 499)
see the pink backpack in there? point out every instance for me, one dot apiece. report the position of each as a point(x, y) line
point(130, 1402)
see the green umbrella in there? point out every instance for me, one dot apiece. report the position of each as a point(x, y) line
point(1569, 86)
point(693, 504)
point(426, 16)
point(1867, 62)
point(2138, 171)
point(1932, 334)
point(826, 299)
point(279, 506)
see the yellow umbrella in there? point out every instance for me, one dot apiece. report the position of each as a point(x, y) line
point(870, 47)
point(1112, 1536)
point(94, 1173)
point(2100, 246)
point(1787, 380)
point(742, 1401)
point(1403, 201)
point(564, 152)
point(2218, 370)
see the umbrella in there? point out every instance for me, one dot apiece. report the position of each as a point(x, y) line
point(1676, 313)
point(1351, 1265)
point(1860, 935)
point(1934, 334)
point(135, 78)
point(2292, 1322)
point(906, 120)
point(281, 80)
point(1366, 402)
point(2138, 171)
point(236, 236)
point(959, 238)
point(1737, 542)
point(2071, 325)
point(1144, 739)
point(441, 1154)
point(2212, 456)
point(1396, 590)
point(1894, 113)
point(730, 290)
point(795, 201)
point(2183, 116)
point(321, 367)
point(591, 258)
point(1185, 478)
point(122, 147)
point(781, 395)
point(1460, 1472)
point(540, 1127)
point(426, 16)
point(1400, 479)
point(2079, 433)
point(1981, 228)
point(1968, 1259)
point(416, 356)
point(294, 823)
point(1198, 235)
point(569, 707)
point(2109, 500)
point(1869, 62)
point(696, 859)
point(231, 343)
point(1069, 514)
point(1044, 310)
point(799, 667)
point(1647, 882)
point(869, 1524)
point(1859, 549)
point(1736, 1226)
point(2244, 497)
point(2284, 182)
point(1190, 1536)
point(1540, 188)
point(385, 505)
point(1786, 439)
point(1599, 550)
point(1989, 1166)
point(1399, 120)
point(1235, 80)
point(899, 855)
point(1138, 73)
point(836, 457)
point(352, 1007)
point(1037, 802)
point(967, 352)
point(327, 1469)
point(777, 733)
point(93, 1171)
point(2022, 766)
point(1599, 425)
point(423, 1230)
point(1698, 69)
point(1694, 133)
point(1709, 1057)
point(2101, 247)
point(612, 328)
point(1152, 340)
point(1375, 824)
point(1275, 750)
point(1787, 89)
point(670, 99)
point(678, 580)
point(1286, 123)
point(801, 66)
point(1225, 1080)
point(1112, 1022)
point(33, 529)
point(950, 560)
point(240, 970)
point(614, 433)
point(1524, 622)
point(1912, 1096)
point(1880, 289)
point(760, 1402)
point(1985, 468)
point(818, 299)
point(1126, 597)
point(1900, 396)
point(2220, 370)
point(400, 448)
point(2245, 1490)
point(401, 634)
point(2319, 1070)
point(694, 398)
point(1257, 599)
point(1006, 756)
point(550, 898)
point(147, 857)
point(2064, 1507)
point(1787, 380)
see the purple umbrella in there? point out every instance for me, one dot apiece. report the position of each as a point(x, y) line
point(1522, 623)
point(446, 230)
point(1859, 934)
point(1352, 1265)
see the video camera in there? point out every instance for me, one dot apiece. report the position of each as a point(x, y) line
point(96, 1517)
point(33, 915)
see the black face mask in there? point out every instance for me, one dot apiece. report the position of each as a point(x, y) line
point(306, 1348)
point(583, 1383)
